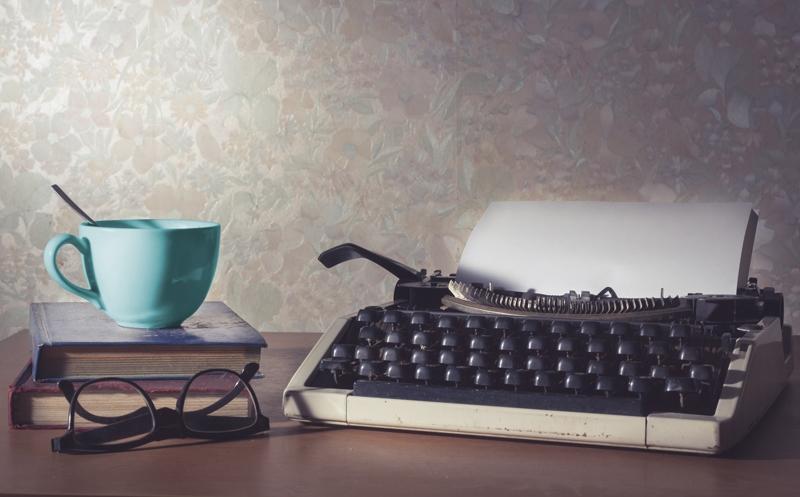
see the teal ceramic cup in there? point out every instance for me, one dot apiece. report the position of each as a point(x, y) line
point(144, 273)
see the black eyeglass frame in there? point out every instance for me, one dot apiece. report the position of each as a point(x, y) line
point(167, 423)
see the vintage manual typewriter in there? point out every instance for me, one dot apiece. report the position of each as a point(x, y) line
point(622, 324)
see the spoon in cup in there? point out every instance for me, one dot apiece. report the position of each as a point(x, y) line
point(72, 204)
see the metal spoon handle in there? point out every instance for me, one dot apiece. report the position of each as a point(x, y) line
point(72, 204)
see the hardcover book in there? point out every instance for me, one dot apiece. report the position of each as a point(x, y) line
point(73, 340)
point(38, 405)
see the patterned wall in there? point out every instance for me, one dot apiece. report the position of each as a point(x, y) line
point(301, 124)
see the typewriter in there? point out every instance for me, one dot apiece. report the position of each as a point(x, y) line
point(481, 352)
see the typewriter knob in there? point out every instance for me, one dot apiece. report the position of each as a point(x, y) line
point(640, 385)
point(478, 360)
point(649, 330)
point(545, 379)
point(505, 361)
point(484, 378)
point(475, 323)
point(691, 354)
point(531, 326)
point(371, 334)
point(392, 317)
point(447, 322)
point(600, 368)
point(629, 368)
point(618, 329)
point(559, 328)
point(503, 323)
point(576, 381)
point(342, 351)
point(368, 315)
point(679, 331)
point(536, 363)
point(701, 372)
point(419, 318)
point(589, 329)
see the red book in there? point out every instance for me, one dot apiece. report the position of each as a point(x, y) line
point(41, 405)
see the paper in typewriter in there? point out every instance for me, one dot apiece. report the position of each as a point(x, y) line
point(638, 249)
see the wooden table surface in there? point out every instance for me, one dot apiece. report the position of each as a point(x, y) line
point(294, 459)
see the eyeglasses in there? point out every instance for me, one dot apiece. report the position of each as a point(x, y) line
point(115, 414)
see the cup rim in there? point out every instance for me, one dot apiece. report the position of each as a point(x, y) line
point(180, 224)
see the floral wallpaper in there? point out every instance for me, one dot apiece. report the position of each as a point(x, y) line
point(302, 124)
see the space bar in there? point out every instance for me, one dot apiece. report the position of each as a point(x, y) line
point(630, 406)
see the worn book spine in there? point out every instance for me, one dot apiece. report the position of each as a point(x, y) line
point(79, 326)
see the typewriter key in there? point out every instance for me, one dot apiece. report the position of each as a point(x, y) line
point(422, 357)
point(447, 322)
point(576, 382)
point(559, 328)
point(451, 340)
point(398, 371)
point(429, 373)
point(536, 363)
point(508, 344)
point(630, 368)
point(701, 372)
point(478, 360)
point(537, 343)
point(618, 329)
point(546, 379)
point(475, 323)
point(691, 354)
point(481, 342)
point(420, 318)
point(364, 353)
point(371, 334)
point(371, 369)
point(506, 361)
point(649, 330)
point(600, 368)
point(503, 323)
point(368, 315)
point(531, 326)
point(484, 378)
point(589, 329)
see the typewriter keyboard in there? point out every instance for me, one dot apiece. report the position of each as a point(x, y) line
point(632, 368)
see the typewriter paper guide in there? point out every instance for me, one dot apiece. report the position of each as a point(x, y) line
point(638, 249)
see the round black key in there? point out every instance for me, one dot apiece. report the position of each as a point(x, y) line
point(658, 348)
point(681, 384)
point(600, 368)
point(678, 330)
point(420, 318)
point(475, 323)
point(531, 326)
point(691, 354)
point(369, 315)
point(429, 373)
point(391, 354)
point(640, 384)
point(478, 360)
point(537, 343)
point(481, 342)
point(597, 346)
point(451, 340)
point(508, 344)
point(559, 328)
point(618, 329)
point(660, 371)
point(589, 328)
point(546, 379)
point(398, 371)
point(515, 377)
point(701, 372)
point(503, 323)
point(506, 361)
point(396, 337)
point(628, 348)
point(447, 322)
point(726, 343)
point(567, 364)
point(484, 378)
point(371, 369)
point(456, 374)
point(536, 363)
point(364, 353)
point(576, 381)
point(649, 330)
point(371, 334)
point(392, 317)
point(567, 344)
point(336, 365)
point(424, 339)
point(607, 384)
point(342, 351)
point(422, 357)
point(448, 357)
point(630, 368)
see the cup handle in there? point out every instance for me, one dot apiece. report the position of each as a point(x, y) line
point(50, 252)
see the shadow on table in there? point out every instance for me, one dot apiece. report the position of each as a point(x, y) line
point(771, 438)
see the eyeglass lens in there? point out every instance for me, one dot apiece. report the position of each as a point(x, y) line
point(110, 412)
point(218, 402)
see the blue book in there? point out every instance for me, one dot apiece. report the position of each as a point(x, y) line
point(73, 340)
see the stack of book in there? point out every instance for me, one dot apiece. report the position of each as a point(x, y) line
point(75, 341)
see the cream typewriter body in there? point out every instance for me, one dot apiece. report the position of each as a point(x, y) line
point(678, 350)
